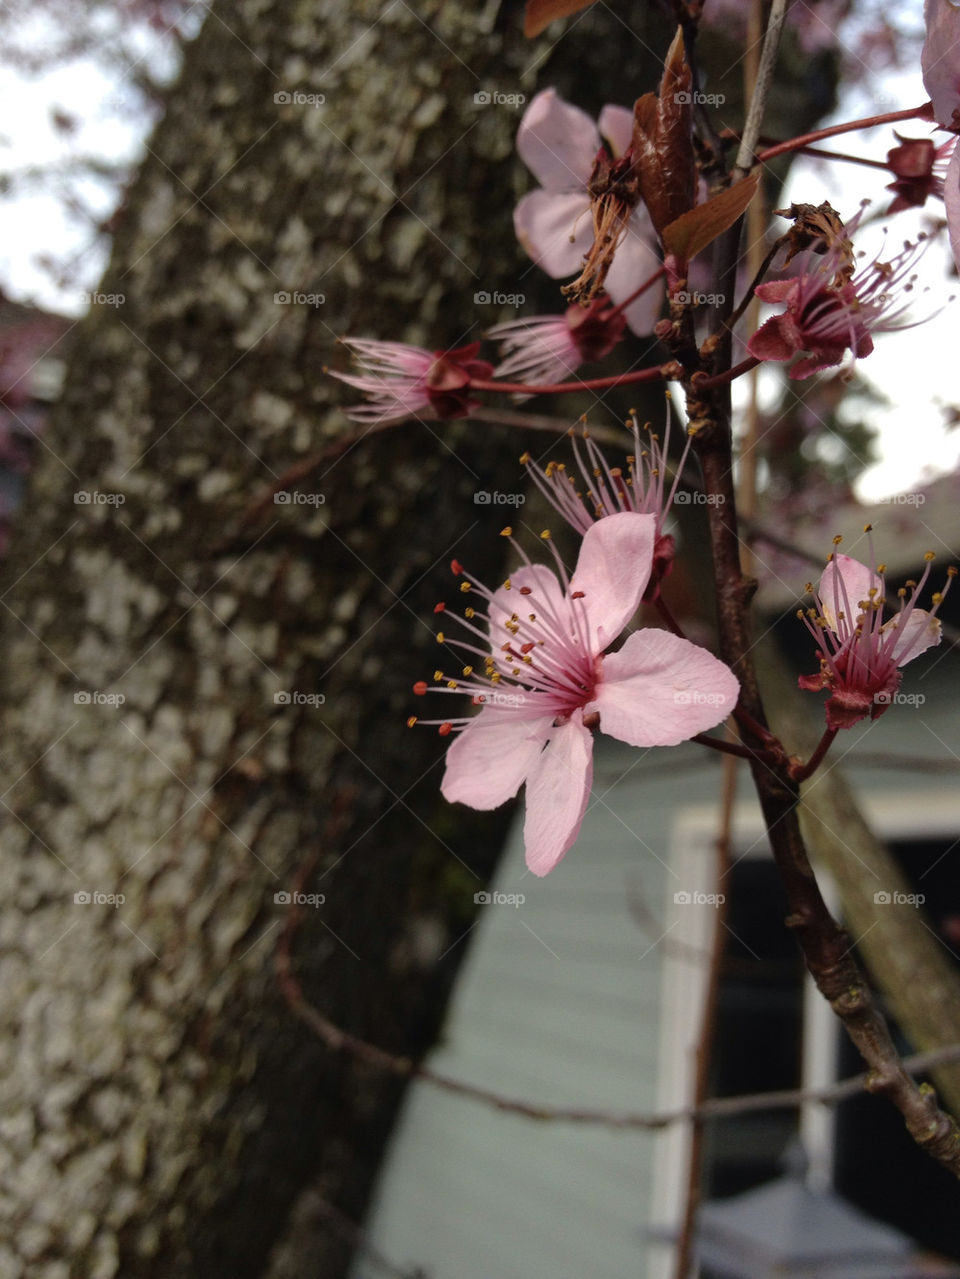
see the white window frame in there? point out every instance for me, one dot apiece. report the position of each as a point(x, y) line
point(907, 813)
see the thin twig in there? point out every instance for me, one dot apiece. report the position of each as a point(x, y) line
point(758, 99)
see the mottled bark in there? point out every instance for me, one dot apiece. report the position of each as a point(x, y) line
point(162, 1109)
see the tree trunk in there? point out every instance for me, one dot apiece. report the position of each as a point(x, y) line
point(163, 1109)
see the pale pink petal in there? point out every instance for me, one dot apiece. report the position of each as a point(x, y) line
point(558, 789)
point(659, 690)
point(557, 142)
point(489, 759)
point(951, 198)
point(616, 125)
point(845, 584)
point(940, 59)
point(545, 598)
point(917, 634)
point(544, 223)
point(613, 569)
point(635, 262)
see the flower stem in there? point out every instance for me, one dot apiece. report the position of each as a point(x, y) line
point(702, 383)
point(657, 374)
point(800, 772)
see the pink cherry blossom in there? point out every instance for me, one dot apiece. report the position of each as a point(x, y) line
point(940, 61)
point(830, 310)
point(861, 654)
point(549, 682)
point(403, 381)
point(559, 144)
point(550, 348)
point(643, 488)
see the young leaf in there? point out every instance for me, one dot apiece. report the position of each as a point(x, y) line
point(692, 231)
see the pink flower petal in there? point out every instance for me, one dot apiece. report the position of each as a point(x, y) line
point(558, 789)
point(635, 262)
point(557, 142)
point(489, 760)
point(951, 198)
point(613, 569)
point(544, 223)
point(659, 690)
point(917, 634)
point(546, 598)
point(616, 126)
point(940, 58)
point(845, 584)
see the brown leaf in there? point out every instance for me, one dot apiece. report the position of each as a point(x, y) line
point(663, 141)
point(692, 231)
point(540, 13)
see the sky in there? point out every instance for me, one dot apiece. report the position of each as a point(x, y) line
point(913, 368)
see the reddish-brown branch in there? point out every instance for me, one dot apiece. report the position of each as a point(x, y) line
point(658, 374)
point(797, 144)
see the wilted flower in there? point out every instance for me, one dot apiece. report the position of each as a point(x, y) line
point(402, 380)
point(860, 653)
point(549, 682)
point(830, 310)
point(550, 348)
point(919, 168)
point(562, 146)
